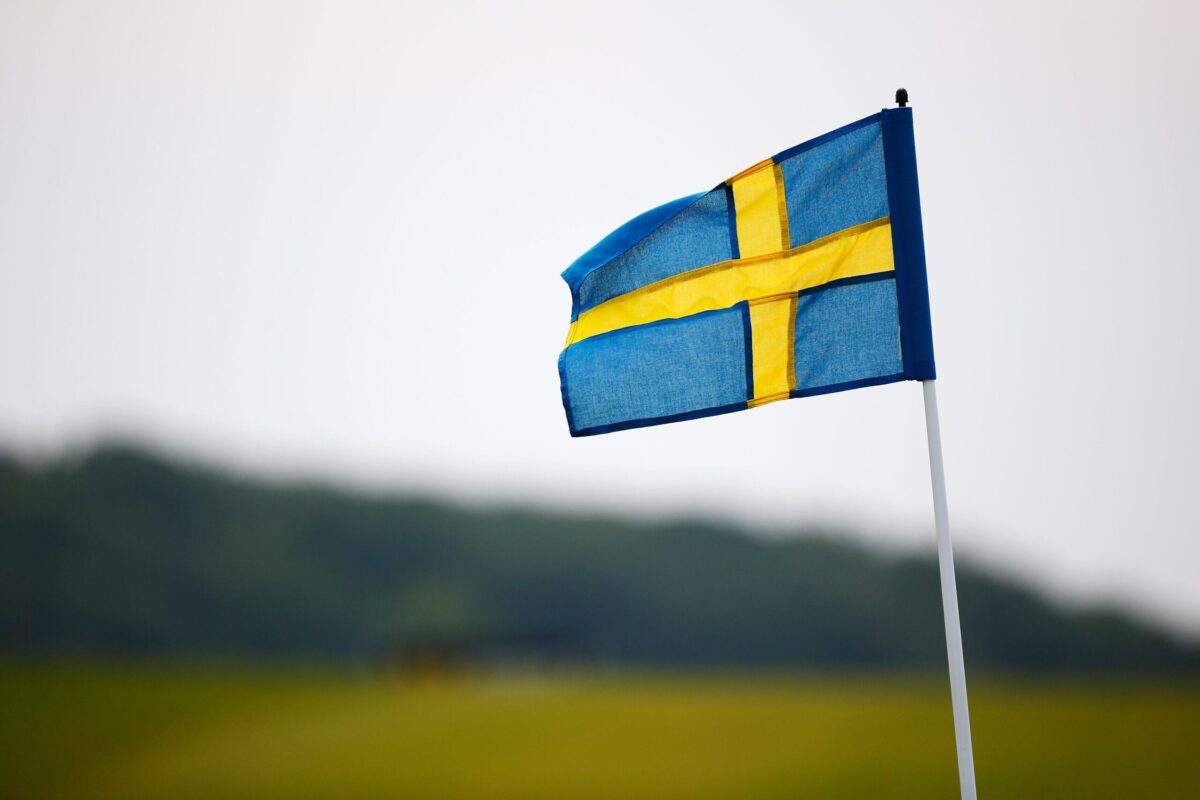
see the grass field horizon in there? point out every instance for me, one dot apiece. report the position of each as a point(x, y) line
point(184, 730)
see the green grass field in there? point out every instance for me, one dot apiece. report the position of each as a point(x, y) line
point(212, 733)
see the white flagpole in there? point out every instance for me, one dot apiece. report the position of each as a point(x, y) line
point(954, 651)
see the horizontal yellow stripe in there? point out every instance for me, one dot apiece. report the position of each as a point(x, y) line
point(861, 250)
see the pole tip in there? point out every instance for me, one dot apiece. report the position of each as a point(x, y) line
point(902, 97)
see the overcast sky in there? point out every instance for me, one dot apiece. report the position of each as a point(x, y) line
point(326, 238)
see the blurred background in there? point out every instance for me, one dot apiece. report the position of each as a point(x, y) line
point(287, 501)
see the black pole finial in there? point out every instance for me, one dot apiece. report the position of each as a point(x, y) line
point(902, 97)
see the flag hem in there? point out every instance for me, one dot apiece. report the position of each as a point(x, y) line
point(908, 244)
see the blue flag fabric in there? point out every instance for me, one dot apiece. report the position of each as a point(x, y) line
point(802, 275)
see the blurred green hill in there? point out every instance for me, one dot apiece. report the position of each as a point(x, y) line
point(122, 551)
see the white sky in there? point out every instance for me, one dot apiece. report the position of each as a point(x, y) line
point(326, 238)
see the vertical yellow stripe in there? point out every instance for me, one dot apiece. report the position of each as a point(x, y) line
point(785, 235)
point(771, 326)
point(762, 228)
point(791, 353)
point(756, 201)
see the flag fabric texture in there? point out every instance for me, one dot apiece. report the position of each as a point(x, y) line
point(802, 275)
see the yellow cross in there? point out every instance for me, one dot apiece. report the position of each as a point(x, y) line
point(767, 275)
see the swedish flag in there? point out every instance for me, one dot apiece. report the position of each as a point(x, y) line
point(802, 275)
